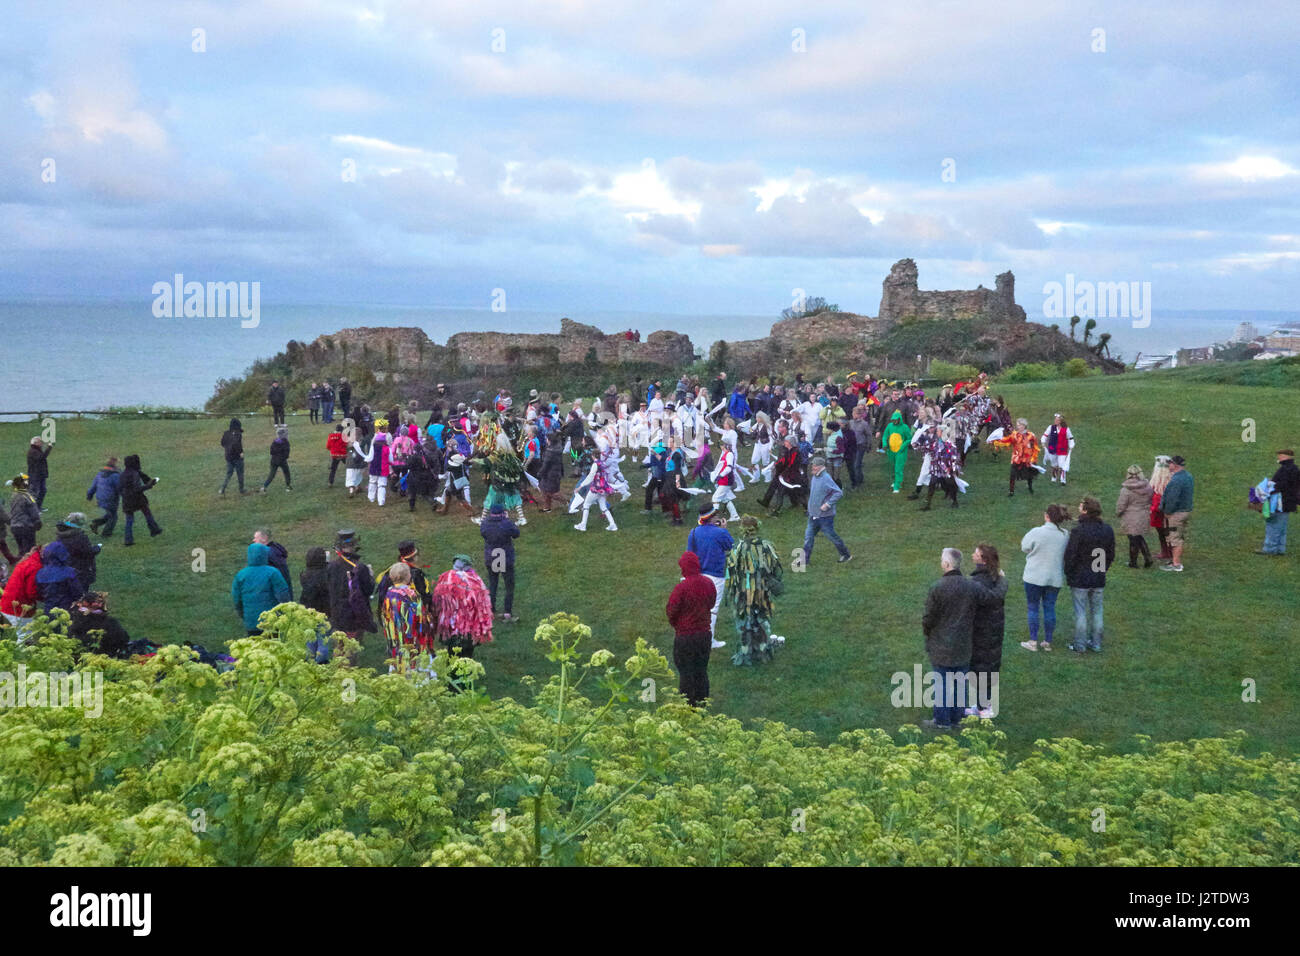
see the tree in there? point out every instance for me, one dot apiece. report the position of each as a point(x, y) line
point(811, 306)
point(1074, 320)
point(1087, 329)
point(1103, 346)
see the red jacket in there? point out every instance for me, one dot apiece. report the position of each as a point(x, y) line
point(20, 591)
point(336, 445)
point(691, 604)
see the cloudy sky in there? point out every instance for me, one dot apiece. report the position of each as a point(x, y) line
point(674, 156)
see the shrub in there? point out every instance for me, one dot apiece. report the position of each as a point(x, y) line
point(283, 761)
point(949, 372)
point(1078, 368)
point(1029, 372)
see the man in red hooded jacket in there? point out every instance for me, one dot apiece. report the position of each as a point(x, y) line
point(689, 609)
point(18, 604)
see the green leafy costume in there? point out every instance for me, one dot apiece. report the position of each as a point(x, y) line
point(754, 577)
point(895, 441)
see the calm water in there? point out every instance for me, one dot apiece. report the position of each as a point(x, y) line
point(87, 355)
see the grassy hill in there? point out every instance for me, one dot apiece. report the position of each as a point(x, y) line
point(1177, 646)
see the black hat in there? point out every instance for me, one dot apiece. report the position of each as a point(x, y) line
point(406, 548)
point(1178, 460)
point(346, 538)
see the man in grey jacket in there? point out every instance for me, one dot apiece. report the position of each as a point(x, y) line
point(823, 493)
point(948, 623)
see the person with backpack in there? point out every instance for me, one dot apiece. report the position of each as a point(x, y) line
point(232, 444)
point(24, 514)
point(134, 485)
point(423, 471)
point(279, 459)
point(258, 587)
point(279, 558)
point(105, 489)
point(400, 457)
point(351, 586)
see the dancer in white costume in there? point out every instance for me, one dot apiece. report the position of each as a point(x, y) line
point(726, 475)
point(761, 433)
point(1058, 443)
point(604, 480)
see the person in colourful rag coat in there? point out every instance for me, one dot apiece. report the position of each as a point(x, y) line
point(403, 619)
point(1024, 455)
point(464, 608)
point(894, 440)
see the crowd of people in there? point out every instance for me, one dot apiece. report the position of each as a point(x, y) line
point(800, 445)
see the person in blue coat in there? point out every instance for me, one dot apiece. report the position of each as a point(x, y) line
point(738, 404)
point(257, 587)
point(57, 584)
point(105, 489)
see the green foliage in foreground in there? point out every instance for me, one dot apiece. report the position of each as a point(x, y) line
point(281, 761)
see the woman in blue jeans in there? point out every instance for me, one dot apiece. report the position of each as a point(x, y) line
point(1044, 576)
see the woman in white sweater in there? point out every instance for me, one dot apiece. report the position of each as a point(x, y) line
point(1044, 575)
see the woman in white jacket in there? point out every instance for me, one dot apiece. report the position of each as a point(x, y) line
point(1044, 576)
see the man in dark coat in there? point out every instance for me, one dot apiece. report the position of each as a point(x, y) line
point(38, 469)
point(1286, 482)
point(279, 558)
point(232, 444)
point(134, 485)
point(787, 478)
point(351, 586)
point(345, 396)
point(948, 624)
point(498, 533)
point(1088, 554)
point(97, 630)
point(275, 398)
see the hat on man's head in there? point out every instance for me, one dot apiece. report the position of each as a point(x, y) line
point(406, 549)
point(818, 460)
point(707, 510)
point(346, 538)
point(1289, 452)
point(532, 393)
point(1177, 460)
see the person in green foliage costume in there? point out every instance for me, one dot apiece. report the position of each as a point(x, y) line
point(505, 472)
point(895, 441)
point(753, 579)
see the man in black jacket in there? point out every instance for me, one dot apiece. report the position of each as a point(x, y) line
point(345, 396)
point(949, 625)
point(232, 443)
point(1088, 554)
point(1286, 482)
point(275, 398)
point(351, 585)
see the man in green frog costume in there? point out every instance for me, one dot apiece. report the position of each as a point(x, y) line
point(895, 441)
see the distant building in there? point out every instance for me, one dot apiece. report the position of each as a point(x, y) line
point(1274, 353)
point(1245, 332)
point(1197, 356)
point(1287, 339)
point(1145, 363)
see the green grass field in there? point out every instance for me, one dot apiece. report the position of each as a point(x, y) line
point(1177, 646)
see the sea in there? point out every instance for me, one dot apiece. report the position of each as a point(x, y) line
point(93, 354)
